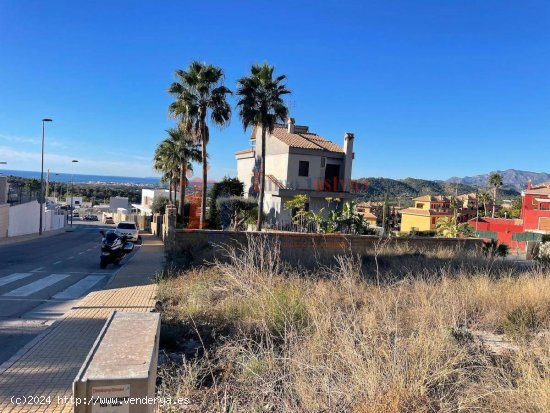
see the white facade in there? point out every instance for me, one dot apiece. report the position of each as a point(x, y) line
point(75, 201)
point(149, 195)
point(297, 162)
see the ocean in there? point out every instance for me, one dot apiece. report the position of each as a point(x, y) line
point(87, 179)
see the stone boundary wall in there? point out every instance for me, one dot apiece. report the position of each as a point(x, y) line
point(306, 249)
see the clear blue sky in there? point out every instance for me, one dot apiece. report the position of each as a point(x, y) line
point(431, 89)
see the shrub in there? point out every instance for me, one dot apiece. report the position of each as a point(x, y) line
point(522, 321)
point(493, 249)
point(542, 252)
point(159, 204)
point(236, 211)
point(227, 187)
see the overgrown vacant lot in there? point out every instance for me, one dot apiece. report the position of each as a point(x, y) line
point(384, 335)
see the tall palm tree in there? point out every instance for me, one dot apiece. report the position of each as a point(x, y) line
point(187, 151)
point(199, 94)
point(495, 180)
point(261, 104)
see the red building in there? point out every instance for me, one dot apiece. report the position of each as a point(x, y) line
point(535, 208)
point(535, 218)
point(503, 229)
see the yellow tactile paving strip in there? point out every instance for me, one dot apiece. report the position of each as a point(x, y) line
point(45, 373)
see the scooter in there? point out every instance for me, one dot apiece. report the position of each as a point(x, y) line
point(113, 248)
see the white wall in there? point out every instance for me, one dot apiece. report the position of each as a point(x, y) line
point(23, 219)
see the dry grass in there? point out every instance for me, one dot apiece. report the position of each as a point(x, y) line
point(351, 339)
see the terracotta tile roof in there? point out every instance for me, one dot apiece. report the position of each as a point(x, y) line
point(305, 140)
point(425, 212)
point(244, 151)
point(539, 189)
point(431, 198)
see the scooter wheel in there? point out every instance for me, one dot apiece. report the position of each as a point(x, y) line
point(102, 264)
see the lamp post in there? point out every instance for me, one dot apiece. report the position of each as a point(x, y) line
point(72, 191)
point(42, 176)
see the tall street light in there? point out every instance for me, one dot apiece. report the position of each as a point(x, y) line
point(42, 177)
point(72, 190)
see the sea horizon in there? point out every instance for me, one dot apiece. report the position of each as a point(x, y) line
point(85, 178)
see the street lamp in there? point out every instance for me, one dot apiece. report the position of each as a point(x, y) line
point(42, 177)
point(72, 191)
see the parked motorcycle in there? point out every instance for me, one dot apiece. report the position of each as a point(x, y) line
point(113, 248)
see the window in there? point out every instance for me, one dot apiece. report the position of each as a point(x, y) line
point(303, 168)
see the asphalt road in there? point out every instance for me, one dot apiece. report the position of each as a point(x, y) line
point(41, 279)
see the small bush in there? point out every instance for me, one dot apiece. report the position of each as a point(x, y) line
point(542, 252)
point(522, 321)
point(493, 249)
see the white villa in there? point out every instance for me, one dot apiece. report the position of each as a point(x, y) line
point(297, 162)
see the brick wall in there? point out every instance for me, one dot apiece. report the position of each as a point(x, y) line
point(299, 248)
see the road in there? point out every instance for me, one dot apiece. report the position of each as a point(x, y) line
point(41, 279)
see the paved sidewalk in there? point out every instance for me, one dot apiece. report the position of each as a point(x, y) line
point(47, 366)
point(28, 237)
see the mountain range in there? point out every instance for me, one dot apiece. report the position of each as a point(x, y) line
point(514, 181)
point(511, 178)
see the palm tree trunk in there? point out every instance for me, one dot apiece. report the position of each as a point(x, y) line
point(262, 184)
point(182, 190)
point(204, 178)
point(494, 200)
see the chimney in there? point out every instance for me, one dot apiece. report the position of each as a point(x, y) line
point(348, 150)
point(529, 185)
point(290, 122)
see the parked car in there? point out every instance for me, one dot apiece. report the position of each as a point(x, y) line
point(108, 220)
point(90, 217)
point(128, 229)
point(76, 214)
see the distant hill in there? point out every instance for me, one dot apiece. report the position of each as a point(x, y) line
point(411, 188)
point(511, 177)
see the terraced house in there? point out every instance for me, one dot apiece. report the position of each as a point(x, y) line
point(298, 161)
point(428, 209)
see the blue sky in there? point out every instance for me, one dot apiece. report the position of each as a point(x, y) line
point(432, 89)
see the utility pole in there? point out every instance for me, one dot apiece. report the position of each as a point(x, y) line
point(41, 200)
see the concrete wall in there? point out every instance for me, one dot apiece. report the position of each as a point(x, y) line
point(4, 220)
point(309, 250)
point(24, 219)
point(3, 189)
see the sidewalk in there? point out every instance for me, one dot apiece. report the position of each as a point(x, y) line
point(45, 368)
point(28, 237)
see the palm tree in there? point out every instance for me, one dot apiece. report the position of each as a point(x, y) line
point(495, 180)
point(173, 156)
point(165, 160)
point(261, 104)
point(450, 228)
point(199, 93)
point(484, 198)
point(187, 151)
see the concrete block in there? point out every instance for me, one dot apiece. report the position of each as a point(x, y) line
point(119, 374)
